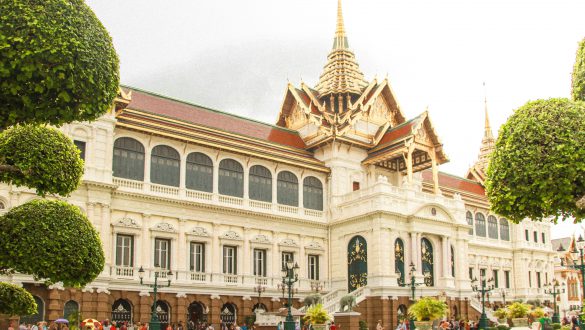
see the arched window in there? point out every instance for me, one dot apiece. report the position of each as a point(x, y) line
point(199, 172)
point(121, 311)
point(71, 308)
point(312, 193)
point(357, 263)
point(260, 184)
point(492, 227)
point(399, 261)
point(469, 217)
point(452, 261)
point(401, 312)
point(165, 166)
point(231, 178)
point(287, 189)
point(164, 313)
point(427, 259)
point(38, 316)
point(128, 162)
point(480, 224)
point(228, 313)
point(504, 229)
point(259, 307)
point(197, 314)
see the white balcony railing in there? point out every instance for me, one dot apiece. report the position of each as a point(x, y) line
point(123, 271)
point(217, 199)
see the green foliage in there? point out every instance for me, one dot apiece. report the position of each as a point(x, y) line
point(566, 327)
point(57, 63)
point(501, 313)
point(316, 314)
point(312, 299)
point(537, 313)
point(15, 300)
point(50, 240)
point(74, 320)
point(556, 326)
point(492, 328)
point(578, 81)
point(40, 157)
point(502, 327)
point(538, 166)
point(249, 320)
point(428, 309)
point(518, 310)
point(363, 325)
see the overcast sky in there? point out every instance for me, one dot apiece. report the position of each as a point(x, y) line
point(237, 56)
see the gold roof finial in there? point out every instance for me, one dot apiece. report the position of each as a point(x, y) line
point(488, 129)
point(341, 74)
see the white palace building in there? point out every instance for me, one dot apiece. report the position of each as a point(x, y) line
point(344, 183)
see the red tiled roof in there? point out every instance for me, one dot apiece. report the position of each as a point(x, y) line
point(454, 182)
point(195, 114)
point(397, 133)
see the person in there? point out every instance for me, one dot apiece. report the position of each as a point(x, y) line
point(10, 327)
point(169, 327)
point(544, 322)
point(379, 325)
point(279, 326)
point(180, 325)
point(332, 326)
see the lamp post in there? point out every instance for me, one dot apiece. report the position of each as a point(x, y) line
point(290, 275)
point(577, 252)
point(503, 294)
point(154, 321)
point(486, 287)
point(553, 289)
point(413, 286)
point(259, 289)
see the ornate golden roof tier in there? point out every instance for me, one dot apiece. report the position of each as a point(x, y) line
point(478, 171)
point(341, 74)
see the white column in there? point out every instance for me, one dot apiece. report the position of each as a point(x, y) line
point(301, 204)
point(146, 247)
point(435, 169)
point(216, 251)
point(418, 252)
point(106, 231)
point(246, 182)
point(147, 156)
point(413, 250)
point(275, 255)
point(300, 259)
point(183, 255)
point(274, 186)
point(247, 260)
point(215, 177)
point(444, 256)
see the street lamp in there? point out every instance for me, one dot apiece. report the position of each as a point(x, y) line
point(486, 287)
point(259, 289)
point(503, 294)
point(577, 252)
point(413, 286)
point(553, 289)
point(154, 321)
point(290, 275)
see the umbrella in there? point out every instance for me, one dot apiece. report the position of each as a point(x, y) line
point(90, 323)
point(61, 321)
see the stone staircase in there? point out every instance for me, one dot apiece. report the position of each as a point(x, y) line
point(331, 301)
point(476, 304)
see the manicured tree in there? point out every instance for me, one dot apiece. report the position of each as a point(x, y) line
point(16, 301)
point(538, 167)
point(57, 65)
point(578, 82)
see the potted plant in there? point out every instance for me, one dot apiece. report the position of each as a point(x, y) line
point(502, 315)
point(518, 312)
point(317, 316)
point(426, 310)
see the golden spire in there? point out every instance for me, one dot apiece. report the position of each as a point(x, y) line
point(488, 141)
point(340, 41)
point(488, 129)
point(341, 74)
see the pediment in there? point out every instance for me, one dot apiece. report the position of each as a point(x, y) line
point(434, 212)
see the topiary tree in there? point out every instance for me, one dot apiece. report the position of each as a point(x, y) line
point(39, 157)
point(14, 300)
point(63, 246)
point(578, 81)
point(537, 169)
point(316, 314)
point(57, 63)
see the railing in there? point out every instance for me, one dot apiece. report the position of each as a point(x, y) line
point(198, 277)
point(230, 279)
point(138, 185)
point(217, 199)
point(123, 271)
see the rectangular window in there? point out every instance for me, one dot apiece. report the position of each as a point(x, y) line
point(482, 274)
point(162, 253)
point(496, 279)
point(197, 262)
point(81, 146)
point(535, 237)
point(543, 238)
point(230, 260)
point(529, 279)
point(527, 235)
point(124, 250)
point(356, 186)
point(313, 267)
point(538, 279)
point(286, 256)
point(507, 277)
point(471, 273)
point(260, 262)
